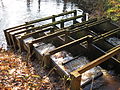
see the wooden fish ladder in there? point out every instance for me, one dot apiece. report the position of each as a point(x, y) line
point(84, 37)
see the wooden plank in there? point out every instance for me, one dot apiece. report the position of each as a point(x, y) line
point(50, 24)
point(96, 62)
point(50, 17)
point(24, 27)
point(68, 45)
point(86, 26)
point(75, 25)
point(36, 32)
point(109, 33)
point(75, 83)
point(15, 27)
point(48, 36)
point(38, 20)
point(8, 35)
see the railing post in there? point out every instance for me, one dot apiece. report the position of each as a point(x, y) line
point(75, 14)
point(66, 36)
point(75, 83)
point(84, 17)
point(62, 24)
point(20, 45)
point(46, 60)
point(53, 20)
point(27, 27)
point(7, 40)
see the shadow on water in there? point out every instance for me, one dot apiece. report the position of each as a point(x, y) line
point(39, 5)
point(28, 5)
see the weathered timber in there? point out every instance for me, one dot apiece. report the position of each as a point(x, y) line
point(18, 40)
point(36, 21)
point(99, 37)
point(46, 25)
point(75, 83)
point(87, 26)
point(69, 27)
point(41, 39)
point(50, 24)
point(42, 19)
point(7, 33)
point(68, 45)
point(96, 62)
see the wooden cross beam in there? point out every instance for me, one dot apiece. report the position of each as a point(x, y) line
point(96, 62)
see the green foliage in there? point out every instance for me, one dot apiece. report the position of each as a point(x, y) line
point(112, 9)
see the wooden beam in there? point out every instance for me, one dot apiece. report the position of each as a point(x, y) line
point(50, 24)
point(36, 32)
point(75, 25)
point(86, 26)
point(109, 33)
point(68, 45)
point(42, 19)
point(75, 83)
point(96, 62)
point(50, 17)
point(48, 36)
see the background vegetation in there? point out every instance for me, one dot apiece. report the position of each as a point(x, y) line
point(112, 9)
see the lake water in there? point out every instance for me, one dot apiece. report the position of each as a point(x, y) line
point(15, 12)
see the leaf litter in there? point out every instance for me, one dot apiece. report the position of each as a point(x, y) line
point(19, 74)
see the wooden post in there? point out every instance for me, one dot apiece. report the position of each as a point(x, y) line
point(66, 36)
point(46, 60)
point(14, 42)
point(27, 27)
point(84, 17)
point(53, 20)
point(76, 83)
point(20, 44)
point(75, 14)
point(30, 51)
point(62, 24)
point(7, 40)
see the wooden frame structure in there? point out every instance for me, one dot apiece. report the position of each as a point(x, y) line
point(93, 38)
point(28, 24)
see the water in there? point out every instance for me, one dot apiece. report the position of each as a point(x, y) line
point(15, 12)
point(44, 48)
point(64, 56)
point(114, 41)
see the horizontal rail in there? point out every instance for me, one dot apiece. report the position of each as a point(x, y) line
point(109, 33)
point(69, 27)
point(48, 36)
point(46, 18)
point(68, 45)
point(33, 33)
point(51, 24)
point(50, 17)
point(86, 26)
point(24, 27)
point(96, 62)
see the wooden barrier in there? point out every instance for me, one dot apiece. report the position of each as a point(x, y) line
point(76, 75)
point(44, 26)
point(36, 21)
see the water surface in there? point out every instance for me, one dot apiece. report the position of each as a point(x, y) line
point(15, 12)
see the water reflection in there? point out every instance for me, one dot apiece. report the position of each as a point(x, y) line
point(64, 6)
point(21, 11)
point(39, 5)
point(2, 3)
point(28, 5)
